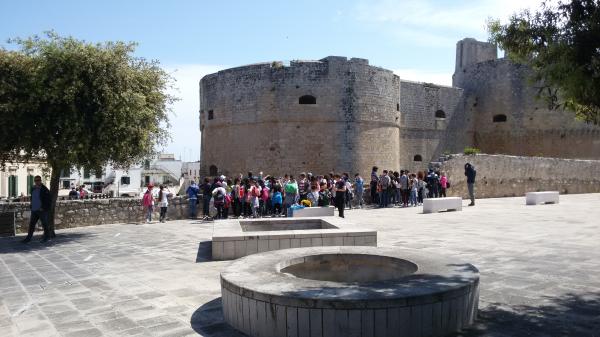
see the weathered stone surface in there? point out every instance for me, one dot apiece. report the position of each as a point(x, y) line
point(233, 238)
point(372, 117)
point(513, 176)
point(340, 280)
point(78, 213)
point(539, 270)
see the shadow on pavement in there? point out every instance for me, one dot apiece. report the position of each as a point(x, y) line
point(568, 315)
point(208, 321)
point(14, 244)
point(204, 252)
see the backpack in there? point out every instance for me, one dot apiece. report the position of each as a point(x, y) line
point(219, 197)
point(264, 194)
point(255, 192)
point(290, 188)
point(241, 192)
point(277, 198)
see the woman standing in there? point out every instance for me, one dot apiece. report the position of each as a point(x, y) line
point(163, 202)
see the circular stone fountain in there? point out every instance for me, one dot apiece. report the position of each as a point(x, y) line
point(349, 291)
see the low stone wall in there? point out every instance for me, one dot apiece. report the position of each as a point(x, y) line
point(78, 213)
point(510, 176)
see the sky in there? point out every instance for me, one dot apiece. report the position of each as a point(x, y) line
point(416, 39)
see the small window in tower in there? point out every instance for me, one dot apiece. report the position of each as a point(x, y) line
point(212, 170)
point(211, 114)
point(440, 114)
point(499, 118)
point(417, 157)
point(307, 99)
point(397, 106)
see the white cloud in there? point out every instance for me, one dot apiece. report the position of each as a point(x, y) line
point(418, 75)
point(185, 131)
point(428, 23)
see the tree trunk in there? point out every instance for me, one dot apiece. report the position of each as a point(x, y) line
point(54, 182)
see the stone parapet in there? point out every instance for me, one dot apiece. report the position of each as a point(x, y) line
point(80, 213)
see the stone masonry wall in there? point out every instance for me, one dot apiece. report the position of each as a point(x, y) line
point(494, 87)
point(510, 176)
point(259, 125)
point(422, 133)
point(80, 213)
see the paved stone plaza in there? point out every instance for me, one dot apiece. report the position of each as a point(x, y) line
point(539, 266)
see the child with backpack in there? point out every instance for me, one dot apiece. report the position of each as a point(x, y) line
point(277, 201)
point(263, 198)
point(254, 194)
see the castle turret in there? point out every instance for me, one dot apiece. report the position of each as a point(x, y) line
point(470, 51)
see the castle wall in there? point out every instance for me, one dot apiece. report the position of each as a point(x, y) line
point(502, 88)
point(259, 125)
point(510, 176)
point(422, 132)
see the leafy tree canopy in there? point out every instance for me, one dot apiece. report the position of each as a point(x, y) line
point(78, 104)
point(561, 43)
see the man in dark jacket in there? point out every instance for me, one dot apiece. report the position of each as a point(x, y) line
point(470, 173)
point(40, 206)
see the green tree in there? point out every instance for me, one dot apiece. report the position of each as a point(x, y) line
point(561, 43)
point(77, 104)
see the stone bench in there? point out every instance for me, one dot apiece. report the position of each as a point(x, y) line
point(313, 212)
point(434, 205)
point(545, 197)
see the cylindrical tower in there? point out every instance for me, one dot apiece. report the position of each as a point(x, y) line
point(318, 116)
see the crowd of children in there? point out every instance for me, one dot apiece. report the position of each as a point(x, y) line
point(256, 196)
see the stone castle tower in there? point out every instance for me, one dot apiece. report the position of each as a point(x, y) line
point(345, 115)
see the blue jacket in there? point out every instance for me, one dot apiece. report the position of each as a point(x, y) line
point(192, 191)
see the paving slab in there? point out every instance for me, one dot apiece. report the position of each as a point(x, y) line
point(539, 269)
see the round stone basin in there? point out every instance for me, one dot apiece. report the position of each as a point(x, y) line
point(350, 268)
point(349, 291)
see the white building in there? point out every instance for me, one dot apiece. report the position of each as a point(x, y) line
point(16, 179)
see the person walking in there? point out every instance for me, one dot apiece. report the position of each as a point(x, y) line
point(40, 206)
point(471, 173)
point(192, 193)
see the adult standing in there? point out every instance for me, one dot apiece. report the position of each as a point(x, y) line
point(207, 189)
point(404, 188)
point(340, 195)
point(192, 193)
point(40, 205)
point(374, 183)
point(471, 173)
point(384, 183)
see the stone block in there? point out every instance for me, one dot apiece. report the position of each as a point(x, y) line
point(433, 205)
